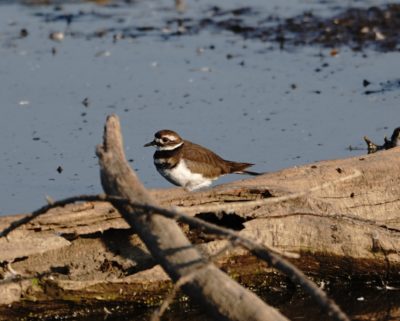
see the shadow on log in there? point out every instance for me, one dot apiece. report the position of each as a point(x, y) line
point(342, 217)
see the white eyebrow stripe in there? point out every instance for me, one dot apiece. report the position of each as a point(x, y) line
point(172, 147)
point(170, 137)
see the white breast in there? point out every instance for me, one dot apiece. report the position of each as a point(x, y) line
point(181, 175)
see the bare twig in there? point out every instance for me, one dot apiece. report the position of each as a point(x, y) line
point(158, 313)
point(44, 209)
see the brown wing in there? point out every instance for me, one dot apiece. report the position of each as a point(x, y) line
point(200, 159)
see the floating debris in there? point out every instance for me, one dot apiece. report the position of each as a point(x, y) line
point(351, 148)
point(101, 33)
point(202, 69)
point(56, 36)
point(366, 83)
point(86, 102)
point(180, 6)
point(166, 30)
point(200, 50)
point(385, 86)
point(23, 33)
point(103, 53)
point(388, 144)
point(379, 35)
point(334, 52)
point(24, 102)
point(375, 27)
point(118, 36)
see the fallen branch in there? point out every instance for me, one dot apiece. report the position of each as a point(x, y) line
point(263, 252)
point(223, 297)
point(387, 143)
point(260, 250)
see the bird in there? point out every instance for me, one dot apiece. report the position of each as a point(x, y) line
point(190, 165)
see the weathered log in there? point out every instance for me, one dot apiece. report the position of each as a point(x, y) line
point(224, 297)
point(342, 216)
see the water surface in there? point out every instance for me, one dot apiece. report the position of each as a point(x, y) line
point(244, 98)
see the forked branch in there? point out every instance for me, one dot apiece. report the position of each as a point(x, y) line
point(209, 286)
point(196, 275)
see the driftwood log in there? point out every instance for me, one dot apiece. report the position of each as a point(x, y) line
point(341, 216)
point(224, 297)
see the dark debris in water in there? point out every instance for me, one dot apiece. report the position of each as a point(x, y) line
point(394, 141)
point(375, 27)
point(69, 18)
point(383, 87)
point(357, 28)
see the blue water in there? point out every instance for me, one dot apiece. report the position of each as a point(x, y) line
point(244, 108)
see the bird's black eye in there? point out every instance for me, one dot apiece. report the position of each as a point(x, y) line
point(165, 139)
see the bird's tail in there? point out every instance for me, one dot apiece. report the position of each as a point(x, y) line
point(251, 173)
point(240, 168)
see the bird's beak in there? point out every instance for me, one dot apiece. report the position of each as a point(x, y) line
point(152, 143)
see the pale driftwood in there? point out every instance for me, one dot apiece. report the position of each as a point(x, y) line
point(342, 216)
point(272, 256)
point(52, 204)
point(208, 285)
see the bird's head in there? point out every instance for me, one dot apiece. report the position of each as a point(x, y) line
point(165, 140)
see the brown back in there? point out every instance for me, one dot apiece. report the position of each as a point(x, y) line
point(200, 159)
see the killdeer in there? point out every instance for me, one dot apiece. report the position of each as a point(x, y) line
point(189, 165)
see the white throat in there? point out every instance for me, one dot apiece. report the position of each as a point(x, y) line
point(172, 147)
